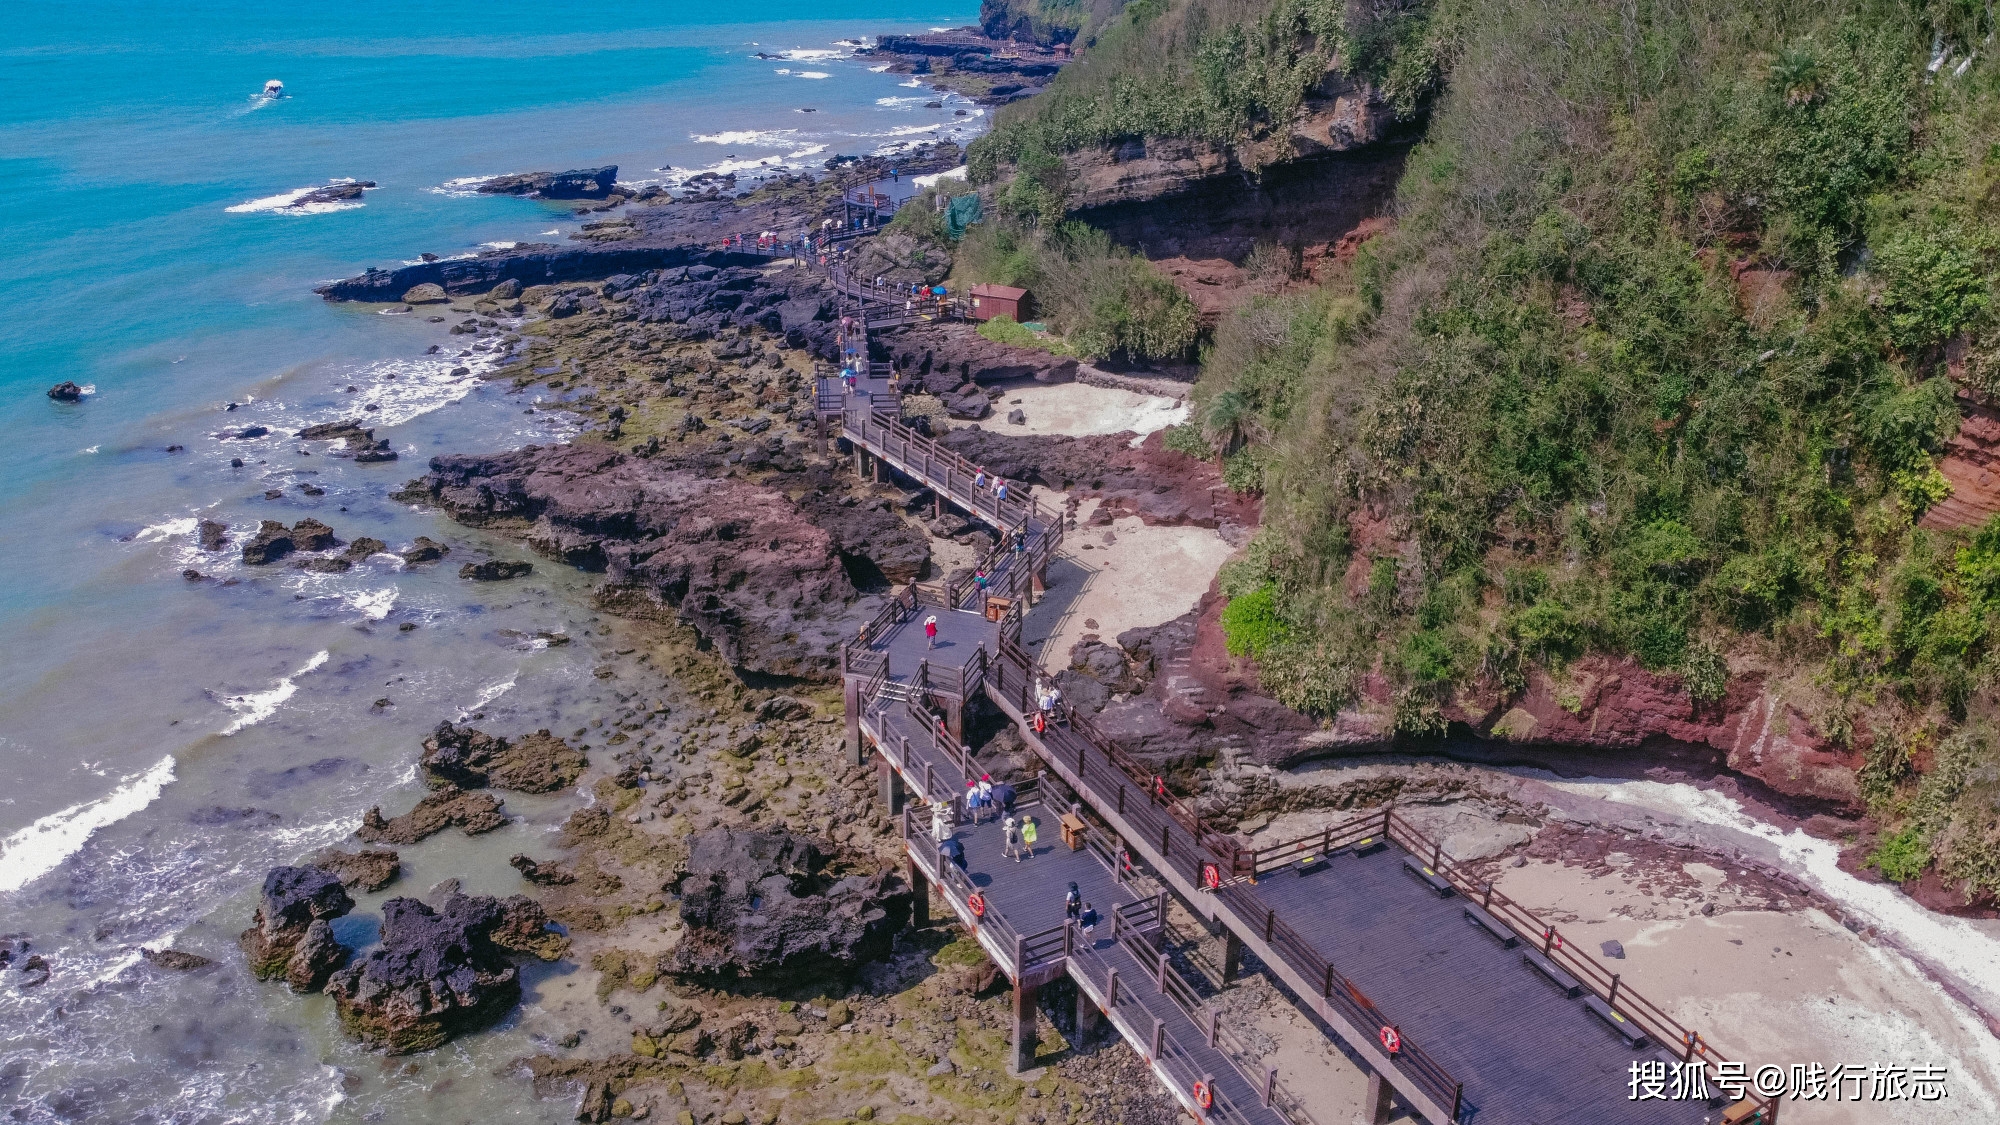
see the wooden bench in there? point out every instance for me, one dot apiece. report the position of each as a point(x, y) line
point(1626, 1029)
point(1368, 845)
point(1421, 870)
point(1478, 916)
point(1569, 984)
point(1307, 864)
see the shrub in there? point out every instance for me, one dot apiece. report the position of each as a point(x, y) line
point(1250, 624)
point(1902, 857)
point(1187, 438)
point(1934, 286)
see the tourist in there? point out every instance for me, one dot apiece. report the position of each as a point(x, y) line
point(953, 851)
point(979, 579)
point(972, 801)
point(986, 790)
point(930, 631)
point(1073, 904)
point(940, 821)
point(1088, 919)
point(1010, 840)
point(1003, 797)
point(1027, 838)
point(979, 479)
point(1000, 491)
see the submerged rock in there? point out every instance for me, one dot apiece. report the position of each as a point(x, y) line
point(175, 960)
point(294, 900)
point(439, 973)
point(581, 183)
point(473, 813)
point(471, 759)
point(767, 906)
point(425, 550)
point(495, 570)
point(214, 535)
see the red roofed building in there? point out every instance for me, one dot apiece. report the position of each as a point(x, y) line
point(989, 301)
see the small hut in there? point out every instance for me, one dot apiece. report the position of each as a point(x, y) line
point(989, 301)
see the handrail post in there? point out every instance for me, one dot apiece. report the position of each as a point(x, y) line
point(1612, 999)
point(1270, 1089)
point(1214, 1024)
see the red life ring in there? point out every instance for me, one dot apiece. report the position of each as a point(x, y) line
point(1160, 786)
point(1392, 1040)
point(977, 903)
point(1041, 722)
point(1204, 1095)
point(1211, 877)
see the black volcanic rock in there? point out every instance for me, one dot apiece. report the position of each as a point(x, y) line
point(739, 561)
point(581, 183)
point(766, 906)
point(495, 570)
point(294, 899)
point(66, 391)
point(272, 542)
point(438, 973)
point(471, 759)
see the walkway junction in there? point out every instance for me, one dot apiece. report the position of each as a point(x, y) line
point(1461, 1005)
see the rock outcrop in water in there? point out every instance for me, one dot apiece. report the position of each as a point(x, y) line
point(66, 391)
point(582, 183)
point(449, 806)
point(765, 906)
point(439, 973)
point(472, 759)
point(369, 869)
point(290, 936)
point(740, 562)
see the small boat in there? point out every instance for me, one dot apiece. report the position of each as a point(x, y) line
point(274, 89)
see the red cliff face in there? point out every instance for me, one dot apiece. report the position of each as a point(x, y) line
point(1972, 464)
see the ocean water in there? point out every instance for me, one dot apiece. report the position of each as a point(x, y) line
point(164, 741)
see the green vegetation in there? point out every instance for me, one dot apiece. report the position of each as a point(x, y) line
point(1217, 70)
point(1102, 300)
point(1658, 361)
point(1006, 330)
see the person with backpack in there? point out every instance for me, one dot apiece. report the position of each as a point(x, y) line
point(1010, 840)
point(1073, 904)
point(974, 801)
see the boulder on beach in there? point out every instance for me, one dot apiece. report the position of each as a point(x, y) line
point(472, 759)
point(294, 900)
point(773, 907)
point(495, 570)
point(427, 293)
point(66, 391)
point(439, 972)
point(472, 813)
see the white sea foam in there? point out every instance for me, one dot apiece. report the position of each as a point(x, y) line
point(901, 103)
point(460, 188)
point(879, 69)
point(88, 449)
point(282, 203)
point(813, 74)
point(749, 138)
point(782, 70)
point(255, 707)
point(39, 848)
point(167, 529)
point(371, 604)
point(488, 694)
point(812, 54)
point(914, 83)
point(499, 245)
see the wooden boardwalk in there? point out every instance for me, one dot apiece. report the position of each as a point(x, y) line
point(1448, 1012)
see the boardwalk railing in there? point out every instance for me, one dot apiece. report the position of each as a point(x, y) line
point(1526, 925)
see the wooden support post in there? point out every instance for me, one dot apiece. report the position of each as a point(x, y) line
point(851, 700)
point(1111, 996)
point(1380, 1103)
point(1214, 1024)
point(1486, 902)
point(1088, 1019)
point(920, 896)
point(819, 432)
point(1166, 839)
point(1160, 917)
point(892, 784)
point(1023, 1057)
point(1270, 922)
point(1160, 973)
point(1612, 1000)
point(1270, 1090)
point(1232, 956)
point(1326, 986)
point(1159, 1040)
point(955, 718)
point(1121, 800)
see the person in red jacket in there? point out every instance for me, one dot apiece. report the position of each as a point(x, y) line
point(930, 631)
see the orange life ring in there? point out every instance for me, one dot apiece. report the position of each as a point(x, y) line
point(977, 903)
point(1211, 877)
point(1204, 1095)
point(1392, 1040)
point(1041, 722)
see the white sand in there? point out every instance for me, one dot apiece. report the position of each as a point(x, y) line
point(1147, 576)
point(1079, 410)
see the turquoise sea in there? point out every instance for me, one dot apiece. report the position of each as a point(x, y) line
point(163, 741)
